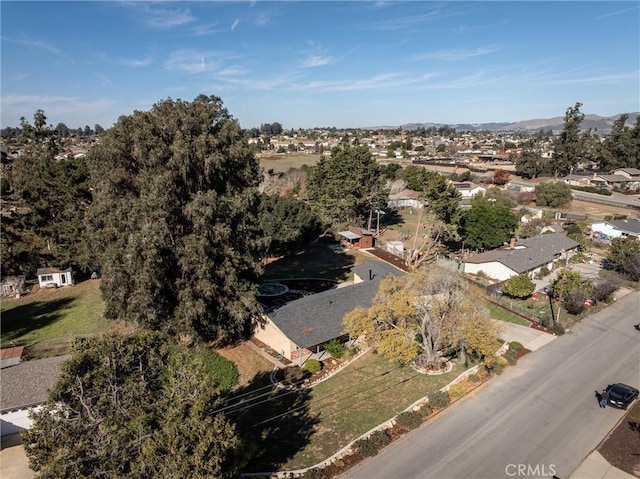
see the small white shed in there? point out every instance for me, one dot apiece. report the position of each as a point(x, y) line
point(54, 278)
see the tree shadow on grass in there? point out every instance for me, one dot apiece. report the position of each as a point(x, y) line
point(316, 261)
point(274, 423)
point(24, 319)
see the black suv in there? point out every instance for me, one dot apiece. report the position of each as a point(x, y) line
point(621, 395)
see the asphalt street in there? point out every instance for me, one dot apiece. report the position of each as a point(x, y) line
point(538, 419)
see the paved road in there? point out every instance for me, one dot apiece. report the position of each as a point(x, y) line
point(537, 419)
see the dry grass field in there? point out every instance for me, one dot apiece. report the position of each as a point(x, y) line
point(282, 162)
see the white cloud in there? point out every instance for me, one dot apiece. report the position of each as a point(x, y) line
point(164, 18)
point(455, 55)
point(34, 43)
point(386, 80)
point(316, 61)
point(188, 61)
point(131, 62)
point(235, 24)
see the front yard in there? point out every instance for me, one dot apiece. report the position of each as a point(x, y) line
point(365, 394)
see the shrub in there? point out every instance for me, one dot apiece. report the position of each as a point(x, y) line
point(439, 399)
point(457, 390)
point(369, 446)
point(313, 473)
point(474, 378)
point(511, 356)
point(574, 302)
point(518, 286)
point(559, 329)
point(335, 348)
point(224, 371)
point(544, 271)
point(312, 365)
point(425, 410)
point(409, 420)
point(603, 289)
point(516, 346)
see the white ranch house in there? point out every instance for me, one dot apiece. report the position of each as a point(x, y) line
point(526, 256)
point(618, 228)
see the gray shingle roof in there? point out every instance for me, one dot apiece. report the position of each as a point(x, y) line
point(538, 251)
point(317, 318)
point(28, 383)
point(631, 226)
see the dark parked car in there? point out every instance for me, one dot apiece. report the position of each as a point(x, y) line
point(621, 395)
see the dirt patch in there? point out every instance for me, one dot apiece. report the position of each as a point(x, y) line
point(249, 363)
point(622, 448)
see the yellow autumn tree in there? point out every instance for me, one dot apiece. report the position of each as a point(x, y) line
point(418, 316)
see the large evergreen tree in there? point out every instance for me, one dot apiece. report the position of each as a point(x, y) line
point(56, 194)
point(346, 187)
point(174, 220)
point(569, 147)
point(134, 406)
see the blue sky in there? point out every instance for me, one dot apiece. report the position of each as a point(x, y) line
point(313, 64)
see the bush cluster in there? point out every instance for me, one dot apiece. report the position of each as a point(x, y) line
point(511, 356)
point(224, 371)
point(312, 365)
point(369, 446)
point(439, 399)
point(474, 378)
point(409, 420)
point(593, 189)
point(425, 410)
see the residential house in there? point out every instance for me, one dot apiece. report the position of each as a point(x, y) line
point(521, 186)
point(54, 278)
point(469, 190)
point(633, 174)
point(617, 228)
point(302, 327)
point(525, 256)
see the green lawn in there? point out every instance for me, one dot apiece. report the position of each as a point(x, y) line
point(47, 320)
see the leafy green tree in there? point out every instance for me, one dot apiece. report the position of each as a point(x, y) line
point(484, 226)
point(569, 146)
point(133, 406)
point(57, 195)
point(390, 171)
point(618, 146)
point(518, 286)
point(624, 257)
point(554, 195)
point(567, 281)
point(530, 164)
point(287, 223)
point(345, 187)
point(443, 199)
point(415, 176)
point(174, 220)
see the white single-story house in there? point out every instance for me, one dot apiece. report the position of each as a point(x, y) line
point(301, 327)
point(618, 228)
point(469, 190)
point(521, 186)
point(54, 278)
point(525, 256)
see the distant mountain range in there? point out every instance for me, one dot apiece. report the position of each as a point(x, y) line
point(600, 123)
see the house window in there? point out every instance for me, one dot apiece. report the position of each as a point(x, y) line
point(46, 277)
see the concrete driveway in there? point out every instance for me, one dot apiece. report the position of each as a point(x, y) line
point(530, 338)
